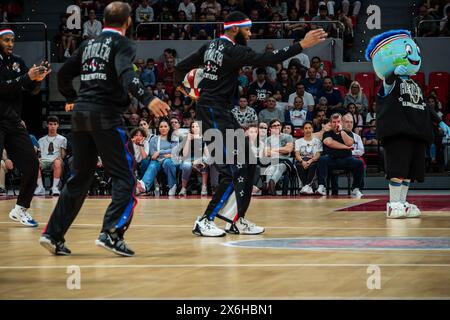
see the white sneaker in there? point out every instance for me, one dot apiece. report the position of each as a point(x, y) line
point(243, 226)
point(256, 191)
point(321, 190)
point(21, 215)
point(140, 187)
point(67, 54)
point(356, 193)
point(206, 228)
point(307, 189)
point(395, 210)
point(411, 210)
point(40, 191)
point(173, 190)
point(55, 191)
point(204, 190)
point(182, 192)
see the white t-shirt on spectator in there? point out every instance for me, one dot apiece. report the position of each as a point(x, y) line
point(58, 142)
point(358, 146)
point(92, 29)
point(298, 117)
point(144, 14)
point(137, 152)
point(189, 10)
point(308, 99)
point(308, 149)
point(304, 60)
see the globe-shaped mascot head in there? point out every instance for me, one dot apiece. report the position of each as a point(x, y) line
point(391, 49)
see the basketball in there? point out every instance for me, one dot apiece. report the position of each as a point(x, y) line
point(191, 83)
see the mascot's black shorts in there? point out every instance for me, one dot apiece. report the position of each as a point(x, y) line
point(404, 158)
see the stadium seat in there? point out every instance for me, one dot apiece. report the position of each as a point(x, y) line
point(327, 67)
point(342, 90)
point(367, 81)
point(347, 75)
point(419, 78)
point(439, 79)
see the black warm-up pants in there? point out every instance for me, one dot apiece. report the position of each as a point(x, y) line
point(116, 153)
point(15, 139)
point(234, 177)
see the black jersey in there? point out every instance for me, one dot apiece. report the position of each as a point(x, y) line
point(105, 67)
point(404, 112)
point(221, 60)
point(14, 80)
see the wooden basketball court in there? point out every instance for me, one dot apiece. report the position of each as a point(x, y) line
point(311, 250)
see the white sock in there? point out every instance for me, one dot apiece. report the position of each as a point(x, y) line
point(39, 183)
point(56, 182)
point(394, 191)
point(404, 191)
point(20, 208)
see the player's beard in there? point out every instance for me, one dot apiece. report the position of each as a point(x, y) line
point(240, 38)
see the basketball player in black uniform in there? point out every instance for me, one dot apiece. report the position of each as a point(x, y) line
point(222, 58)
point(15, 78)
point(105, 66)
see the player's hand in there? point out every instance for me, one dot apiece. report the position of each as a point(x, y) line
point(313, 37)
point(34, 73)
point(401, 71)
point(9, 164)
point(445, 128)
point(69, 107)
point(158, 108)
point(44, 69)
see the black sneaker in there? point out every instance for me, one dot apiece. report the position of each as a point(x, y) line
point(115, 244)
point(56, 248)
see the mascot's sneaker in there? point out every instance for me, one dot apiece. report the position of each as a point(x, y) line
point(243, 226)
point(395, 210)
point(206, 228)
point(411, 210)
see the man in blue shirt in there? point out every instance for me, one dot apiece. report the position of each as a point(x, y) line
point(333, 96)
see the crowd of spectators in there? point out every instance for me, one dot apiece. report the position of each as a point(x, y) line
point(432, 19)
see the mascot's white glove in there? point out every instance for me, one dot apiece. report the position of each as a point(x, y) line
point(445, 128)
point(401, 71)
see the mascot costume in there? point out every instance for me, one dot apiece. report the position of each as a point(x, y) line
point(404, 121)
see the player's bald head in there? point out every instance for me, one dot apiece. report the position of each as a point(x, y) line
point(117, 14)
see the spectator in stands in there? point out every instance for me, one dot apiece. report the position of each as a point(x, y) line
point(327, 26)
point(312, 84)
point(357, 96)
point(372, 114)
point(317, 64)
point(278, 147)
point(67, 40)
point(149, 74)
point(161, 147)
point(308, 99)
point(91, 28)
point(370, 140)
point(261, 87)
point(358, 145)
point(175, 125)
point(307, 153)
point(192, 117)
point(167, 75)
point(434, 103)
point(333, 96)
point(287, 129)
point(134, 119)
point(160, 91)
point(202, 31)
point(144, 125)
point(5, 166)
point(337, 154)
point(195, 156)
point(357, 118)
point(244, 114)
point(274, 30)
point(284, 84)
point(212, 9)
point(262, 131)
point(271, 113)
point(297, 115)
point(425, 29)
point(144, 13)
point(141, 148)
point(318, 120)
point(346, 7)
point(257, 30)
point(257, 147)
point(53, 150)
point(189, 9)
point(445, 24)
point(294, 73)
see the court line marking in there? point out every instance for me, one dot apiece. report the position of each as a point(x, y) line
point(189, 226)
point(274, 265)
